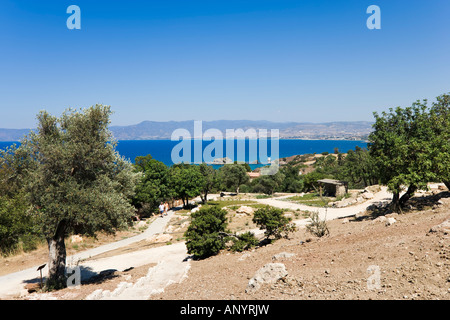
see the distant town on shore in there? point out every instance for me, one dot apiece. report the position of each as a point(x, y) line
point(159, 130)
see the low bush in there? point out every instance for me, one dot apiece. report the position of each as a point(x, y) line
point(317, 227)
point(206, 234)
point(244, 241)
point(274, 222)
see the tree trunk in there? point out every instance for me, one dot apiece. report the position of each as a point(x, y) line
point(57, 259)
point(395, 204)
point(204, 197)
point(409, 193)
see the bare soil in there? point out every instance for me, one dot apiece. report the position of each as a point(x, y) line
point(413, 262)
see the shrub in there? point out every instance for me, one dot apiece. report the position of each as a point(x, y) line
point(244, 241)
point(18, 230)
point(206, 235)
point(274, 222)
point(317, 227)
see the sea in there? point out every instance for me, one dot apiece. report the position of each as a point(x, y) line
point(242, 150)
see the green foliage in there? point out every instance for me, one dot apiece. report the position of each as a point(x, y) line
point(244, 241)
point(18, 229)
point(209, 181)
point(76, 182)
point(271, 219)
point(439, 120)
point(292, 182)
point(310, 180)
point(408, 145)
point(268, 184)
point(206, 235)
point(153, 187)
point(186, 181)
point(232, 176)
point(79, 179)
point(359, 168)
point(311, 199)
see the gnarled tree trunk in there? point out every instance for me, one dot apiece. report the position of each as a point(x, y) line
point(395, 204)
point(409, 193)
point(57, 259)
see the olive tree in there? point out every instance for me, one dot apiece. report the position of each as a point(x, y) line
point(79, 183)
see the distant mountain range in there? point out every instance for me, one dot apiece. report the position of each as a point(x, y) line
point(149, 130)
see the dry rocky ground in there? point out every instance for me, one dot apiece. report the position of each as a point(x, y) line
point(413, 261)
point(412, 255)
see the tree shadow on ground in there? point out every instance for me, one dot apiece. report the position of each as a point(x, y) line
point(90, 277)
point(416, 203)
point(87, 276)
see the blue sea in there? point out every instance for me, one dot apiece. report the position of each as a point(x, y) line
point(161, 150)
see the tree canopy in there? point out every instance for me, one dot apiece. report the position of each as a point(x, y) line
point(78, 183)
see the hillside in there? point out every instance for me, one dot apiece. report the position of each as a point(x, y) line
point(413, 262)
point(411, 251)
point(148, 130)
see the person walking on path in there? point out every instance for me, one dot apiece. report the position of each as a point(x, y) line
point(166, 208)
point(161, 209)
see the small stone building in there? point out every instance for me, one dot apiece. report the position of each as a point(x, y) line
point(333, 188)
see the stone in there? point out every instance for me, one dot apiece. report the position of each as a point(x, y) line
point(76, 239)
point(443, 227)
point(367, 195)
point(390, 221)
point(283, 255)
point(345, 220)
point(380, 219)
point(270, 273)
point(158, 238)
point(140, 224)
point(245, 209)
point(360, 199)
point(244, 256)
point(170, 229)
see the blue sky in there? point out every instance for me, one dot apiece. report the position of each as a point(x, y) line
point(279, 60)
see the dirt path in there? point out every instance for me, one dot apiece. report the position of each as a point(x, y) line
point(12, 285)
point(328, 213)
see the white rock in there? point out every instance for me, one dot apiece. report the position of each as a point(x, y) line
point(283, 255)
point(380, 219)
point(157, 238)
point(140, 224)
point(444, 227)
point(270, 273)
point(76, 239)
point(390, 221)
point(367, 195)
point(244, 256)
point(245, 209)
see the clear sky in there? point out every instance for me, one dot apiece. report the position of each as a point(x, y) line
point(278, 60)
